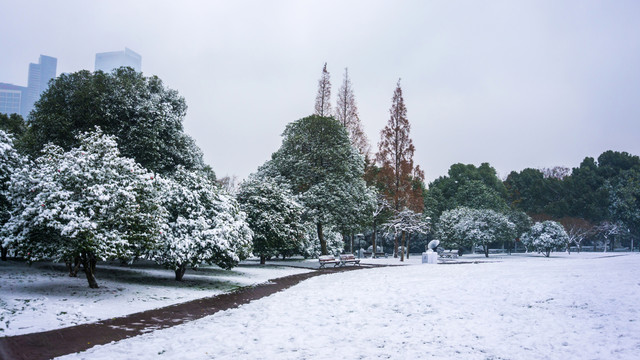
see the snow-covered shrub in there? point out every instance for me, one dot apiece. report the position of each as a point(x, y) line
point(10, 161)
point(203, 225)
point(273, 214)
point(545, 236)
point(87, 203)
point(473, 227)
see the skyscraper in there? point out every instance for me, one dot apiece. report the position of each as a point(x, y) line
point(108, 61)
point(39, 76)
point(11, 98)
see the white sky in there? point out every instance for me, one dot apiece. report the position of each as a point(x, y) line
point(513, 83)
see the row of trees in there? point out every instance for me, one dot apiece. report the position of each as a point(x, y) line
point(102, 170)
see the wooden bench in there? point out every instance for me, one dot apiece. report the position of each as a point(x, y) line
point(451, 254)
point(328, 259)
point(348, 258)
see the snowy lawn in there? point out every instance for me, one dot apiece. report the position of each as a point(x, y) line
point(523, 307)
point(43, 297)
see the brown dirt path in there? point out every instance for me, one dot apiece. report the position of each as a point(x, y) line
point(50, 344)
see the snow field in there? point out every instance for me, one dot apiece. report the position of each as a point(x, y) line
point(528, 307)
point(43, 297)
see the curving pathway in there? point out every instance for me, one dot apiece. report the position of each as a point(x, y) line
point(50, 344)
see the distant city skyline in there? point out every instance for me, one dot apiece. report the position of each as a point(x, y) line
point(21, 99)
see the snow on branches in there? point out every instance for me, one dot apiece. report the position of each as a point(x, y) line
point(203, 225)
point(86, 203)
point(545, 236)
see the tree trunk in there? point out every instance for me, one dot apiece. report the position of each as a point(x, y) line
point(375, 249)
point(547, 252)
point(89, 264)
point(323, 243)
point(4, 251)
point(180, 271)
point(350, 243)
point(395, 245)
point(569, 248)
point(402, 252)
point(263, 259)
point(408, 248)
point(486, 250)
point(73, 269)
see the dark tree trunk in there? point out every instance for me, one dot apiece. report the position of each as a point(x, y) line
point(486, 250)
point(408, 243)
point(373, 241)
point(73, 269)
point(402, 251)
point(89, 264)
point(395, 245)
point(323, 243)
point(263, 259)
point(4, 251)
point(180, 272)
point(547, 252)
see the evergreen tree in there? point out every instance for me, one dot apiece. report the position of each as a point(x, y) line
point(10, 162)
point(323, 98)
point(274, 215)
point(545, 236)
point(88, 203)
point(324, 170)
point(144, 116)
point(347, 115)
point(202, 226)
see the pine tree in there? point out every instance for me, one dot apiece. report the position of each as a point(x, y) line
point(347, 115)
point(401, 181)
point(395, 156)
point(323, 99)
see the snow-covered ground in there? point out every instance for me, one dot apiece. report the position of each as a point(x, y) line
point(43, 297)
point(582, 306)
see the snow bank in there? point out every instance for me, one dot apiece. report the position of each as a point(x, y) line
point(525, 307)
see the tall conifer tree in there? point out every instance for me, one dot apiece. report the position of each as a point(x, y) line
point(323, 99)
point(401, 181)
point(347, 114)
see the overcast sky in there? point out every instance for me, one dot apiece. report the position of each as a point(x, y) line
point(514, 83)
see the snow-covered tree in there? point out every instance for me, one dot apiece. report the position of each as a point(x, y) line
point(311, 247)
point(577, 230)
point(203, 225)
point(10, 161)
point(88, 203)
point(545, 236)
point(324, 170)
point(473, 227)
point(274, 215)
point(404, 223)
point(323, 98)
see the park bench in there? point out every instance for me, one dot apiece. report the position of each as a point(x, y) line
point(328, 259)
point(377, 255)
point(451, 254)
point(348, 258)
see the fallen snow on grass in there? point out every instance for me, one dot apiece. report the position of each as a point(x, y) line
point(43, 297)
point(525, 307)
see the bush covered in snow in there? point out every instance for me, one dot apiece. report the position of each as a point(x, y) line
point(465, 227)
point(10, 161)
point(274, 215)
point(545, 236)
point(87, 203)
point(203, 225)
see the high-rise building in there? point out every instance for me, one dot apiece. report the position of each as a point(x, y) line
point(39, 76)
point(11, 97)
point(108, 61)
